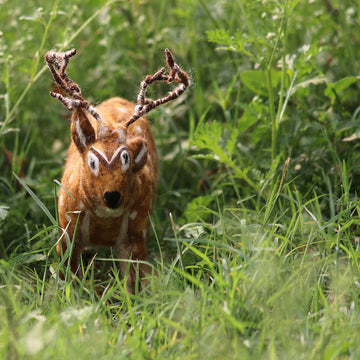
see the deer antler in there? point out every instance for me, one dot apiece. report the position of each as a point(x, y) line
point(57, 63)
point(144, 105)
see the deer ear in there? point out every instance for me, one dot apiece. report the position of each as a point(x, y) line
point(82, 132)
point(139, 150)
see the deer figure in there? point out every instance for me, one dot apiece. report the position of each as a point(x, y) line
point(110, 177)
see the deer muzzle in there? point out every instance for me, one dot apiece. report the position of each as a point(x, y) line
point(113, 199)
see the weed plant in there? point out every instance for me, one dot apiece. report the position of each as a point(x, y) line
point(256, 230)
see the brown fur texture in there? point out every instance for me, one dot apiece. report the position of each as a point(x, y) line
point(110, 177)
point(127, 226)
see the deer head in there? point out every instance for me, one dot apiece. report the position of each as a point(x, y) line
point(110, 162)
point(108, 150)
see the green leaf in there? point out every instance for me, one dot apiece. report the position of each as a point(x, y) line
point(340, 86)
point(206, 156)
point(229, 42)
point(37, 200)
point(253, 112)
point(207, 136)
point(38, 16)
point(220, 36)
point(197, 208)
point(248, 118)
point(232, 142)
point(255, 80)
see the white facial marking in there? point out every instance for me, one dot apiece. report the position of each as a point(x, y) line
point(80, 133)
point(141, 153)
point(105, 157)
point(125, 160)
point(138, 129)
point(133, 215)
point(93, 163)
point(100, 153)
point(116, 153)
point(107, 213)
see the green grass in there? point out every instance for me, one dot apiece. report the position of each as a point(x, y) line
point(256, 230)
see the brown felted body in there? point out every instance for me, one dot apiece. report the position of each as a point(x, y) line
point(111, 173)
point(125, 227)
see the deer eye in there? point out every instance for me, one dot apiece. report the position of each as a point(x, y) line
point(93, 163)
point(125, 160)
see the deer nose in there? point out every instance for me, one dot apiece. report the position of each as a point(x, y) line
point(112, 199)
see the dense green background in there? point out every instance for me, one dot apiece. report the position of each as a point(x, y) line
point(256, 229)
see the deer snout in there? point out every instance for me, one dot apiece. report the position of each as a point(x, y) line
point(112, 199)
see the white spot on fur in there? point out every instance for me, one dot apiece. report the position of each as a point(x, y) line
point(149, 158)
point(133, 215)
point(61, 200)
point(85, 228)
point(103, 131)
point(123, 110)
point(123, 229)
point(71, 178)
point(122, 134)
point(146, 169)
point(139, 129)
point(68, 217)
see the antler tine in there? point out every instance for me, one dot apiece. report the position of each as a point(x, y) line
point(176, 72)
point(59, 60)
point(145, 105)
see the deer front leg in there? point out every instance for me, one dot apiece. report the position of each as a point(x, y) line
point(135, 250)
point(74, 257)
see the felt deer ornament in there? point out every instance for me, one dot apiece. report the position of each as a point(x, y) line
point(110, 177)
